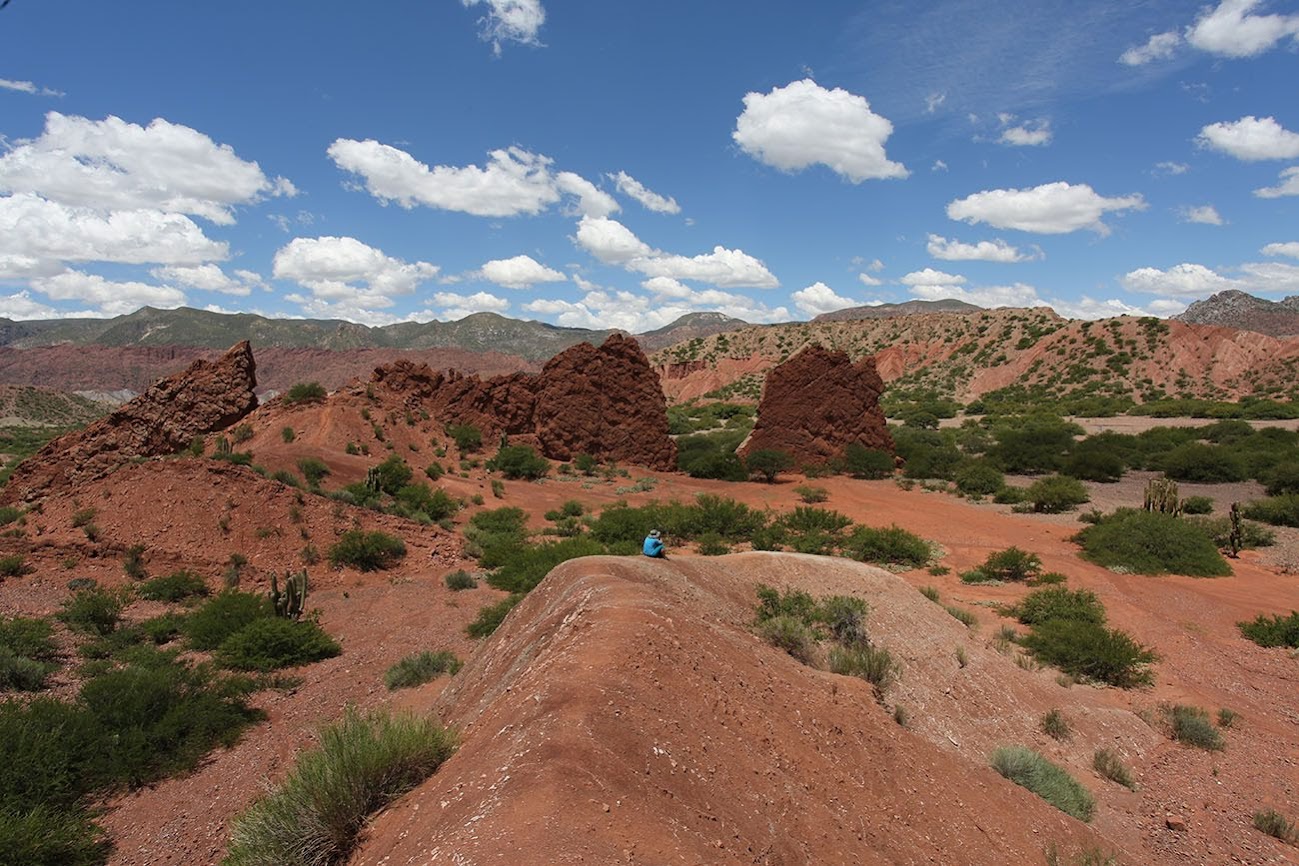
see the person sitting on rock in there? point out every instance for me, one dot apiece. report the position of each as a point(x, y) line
point(653, 546)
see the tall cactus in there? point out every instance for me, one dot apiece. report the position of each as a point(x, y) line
point(290, 602)
point(1236, 539)
point(223, 445)
point(372, 480)
point(1161, 496)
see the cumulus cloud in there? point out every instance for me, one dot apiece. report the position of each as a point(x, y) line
point(1290, 249)
point(1171, 168)
point(347, 273)
point(636, 313)
point(938, 165)
point(1204, 214)
point(112, 165)
point(819, 298)
point(634, 189)
point(209, 278)
point(1033, 133)
point(1251, 139)
point(1052, 208)
point(803, 124)
point(519, 272)
point(613, 243)
point(868, 280)
point(111, 298)
point(453, 306)
point(21, 305)
point(1193, 280)
point(1159, 47)
point(591, 200)
point(1232, 30)
point(995, 250)
point(510, 21)
point(1016, 295)
point(931, 277)
point(28, 87)
point(1289, 185)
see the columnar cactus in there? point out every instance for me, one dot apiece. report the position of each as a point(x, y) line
point(290, 602)
point(1236, 540)
point(1161, 496)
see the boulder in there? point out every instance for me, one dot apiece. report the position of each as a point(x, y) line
point(208, 396)
point(818, 402)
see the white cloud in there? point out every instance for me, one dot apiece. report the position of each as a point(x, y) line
point(819, 298)
point(1251, 139)
point(666, 287)
point(868, 280)
point(1034, 133)
point(519, 272)
point(591, 200)
point(112, 298)
point(44, 234)
point(510, 21)
point(1171, 168)
point(455, 306)
point(931, 277)
point(1204, 214)
point(1159, 47)
point(803, 124)
point(1185, 279)
point(1232, 31)
point(629, 186)
point(114, 165)
point(613, 243)
point(1090, 308)
point(345, 272)
point(933, 101)
point(636, 313)
point(1289, 185)
point(939, 165)
point(1277, 277)
point(876, 265)
point(1053, 208)
point(1017, 295)
point(21, 306)
point(995, 250)
point(1290, 249)
point(28, 87)
point(514, 181)
point(209, 278)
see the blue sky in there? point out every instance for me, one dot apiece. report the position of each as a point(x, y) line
point(621, 164)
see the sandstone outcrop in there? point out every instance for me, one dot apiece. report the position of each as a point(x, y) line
point(604, 401)
point(817, 403)
point(208, 396)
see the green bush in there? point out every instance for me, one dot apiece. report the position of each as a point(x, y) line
point(1283, 479)
point(93, 611)
point(1088, 649)
point(226, 613)
point(1109, 765)
point(1011, 565)
point(1208, 464)
point(1197, 505)
point(28, 638)
point(177, 586)
point(890, 546)
point(1147, 542)
point(1273, 631)
point(1276, 510)
point(163, 628)
point(812, 495)
point(872, 664)
point(1191, 726)
point(519, 462)
point(316, 814)
point(809, 519)
point(870, 463)
point(460, 580)
point(367, 551)
point(790, 634)
point(1274, 824)
point(1218, 530)
point(419, 499)
point(1093, 464)
point(1055, 725)
point(313, 469)
point(393, 474)
point(712, 544)
point(1030, 770)
point(305, 392)
point(1033, 446)
point(979, 478)
point(1044, 605)
point(466, 436)
point(1056, 494)
point(21, 672)
point(14, 565)
point(41, 835)
point(525, 567)
point(768, 463)
point(721, 467)
point(491, 616)
point(420, 668)
point(773, 603)
point(272, 643)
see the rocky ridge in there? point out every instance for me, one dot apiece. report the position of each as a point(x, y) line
point(1233, 309)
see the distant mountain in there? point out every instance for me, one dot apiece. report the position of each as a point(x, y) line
point(888, 311)
point(691, 326)
point(1243, 311)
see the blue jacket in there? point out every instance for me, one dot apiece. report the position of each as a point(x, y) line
point(653, 547)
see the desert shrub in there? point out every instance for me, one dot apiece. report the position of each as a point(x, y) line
point(1276, 510)
point(525, 566)
point(1197, 505)
point(163, 628)
point(495, 533)
point(491, 616)
point(305, 392)
point(27, 637)
point(712, 544)
point(393, 474)
point(287, 434)
point(1030, 770)
point(14, 565)
point(862, 462)
point(1109, 765)
point(1147, 542)
point(1055, 725)
point(844, 617)
point(1047, 578)
point(419, 499)
point(1274, 824)
point(979, 478)
point(962, 615)
point(460, 580)
point(367, 551)
point(1208, 464)
point(931, 593)
point(1009, 496)
point(41, 835)
point(285, 477)
point(133, 562)
point(790, 634)
point(768, 463)
point(809, 519)
point(1032, 446)
point(272, 643)
point(1218, 530)
point(420, 668)
point(812, 495)
point(177, 586)
point(519, 462)
point(1093, 464)
point(928, 453)
point(1044, 605)
point(1191, 726)
point(1087, 649)
point(223, 615)
point(872, 664)
point(722, 467)
point(1273, 631)
point(1011, 564)
point(79, 518)
point(888, 546)
point(22, 673)
point(1283, 479)
point(315, 815)
point(466, 436)
point(93, 611)
point(1055, 494)
point(313, 469)
point(732, 520)
point(795, 603)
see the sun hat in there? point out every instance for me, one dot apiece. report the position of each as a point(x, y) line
point(654, 533)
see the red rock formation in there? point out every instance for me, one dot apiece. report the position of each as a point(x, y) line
point(210, 395)
point(603, 401)
point(818, 402)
